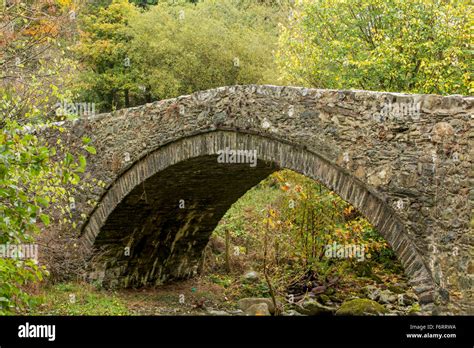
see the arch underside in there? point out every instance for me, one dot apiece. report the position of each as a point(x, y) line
point(168, 219)
point(165, 207)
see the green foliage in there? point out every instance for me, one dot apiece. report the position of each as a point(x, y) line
point(33, 175)
point(419, 46)
point(298, 218)
point(221, 279)
point(239, 220)
point(77, 299)
point(14, 275)
point(103, 50)
point(144, 3)
point(259, 289)
point(174, 49)
point(36, 177)
point(415, 308)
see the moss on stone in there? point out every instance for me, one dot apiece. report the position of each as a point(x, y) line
point(396, 289)
point(361, 306)
point(324, 298)
point(415, 308)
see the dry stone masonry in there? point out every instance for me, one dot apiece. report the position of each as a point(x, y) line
point(404, 161)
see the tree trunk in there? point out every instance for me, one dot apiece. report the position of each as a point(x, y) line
point(148, 94)
point(127, 98)
point(265, 270)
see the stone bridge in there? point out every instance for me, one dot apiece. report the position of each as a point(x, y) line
point(157, 190)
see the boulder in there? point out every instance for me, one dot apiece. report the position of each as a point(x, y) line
point(313, 307)
point(361, 306)
point(245, 303)
point(405, 299)
point(251, 277)
point(292, 313)
point(218, 313)
point(372, 292)
point(258, 309)
point(235, 312)
point(386, 296)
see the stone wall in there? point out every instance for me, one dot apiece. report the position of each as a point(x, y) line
point(403, 160)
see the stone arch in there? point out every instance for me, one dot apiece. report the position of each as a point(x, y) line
point(123, 201)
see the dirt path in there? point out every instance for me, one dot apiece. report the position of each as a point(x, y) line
point(196, 296)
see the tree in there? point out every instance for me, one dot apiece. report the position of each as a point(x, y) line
point(108, 74)
point(175, 49)
point(33, 173)
point(419, 46)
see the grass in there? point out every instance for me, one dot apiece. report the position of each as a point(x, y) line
point(253, 201)
point(214, 291)
point(78, 299)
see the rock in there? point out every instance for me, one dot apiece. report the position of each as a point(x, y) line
point(405, 300)
point(397, 289)
point(318, 289)
point(442, 131)
point(361, 306)
point(426, 297)
point(444, 295)
point(217, 244)
point(258, 309)
point(313, 307)
point(251, 277)
point(219, 118)
point(415, 309)
point(380, 176)
point(372, 292)
point(324, 298)
point(236, 312)
point(245, 303)
point(386, 296)
point(218, 313)
point(337, 297)
point(291, 313)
